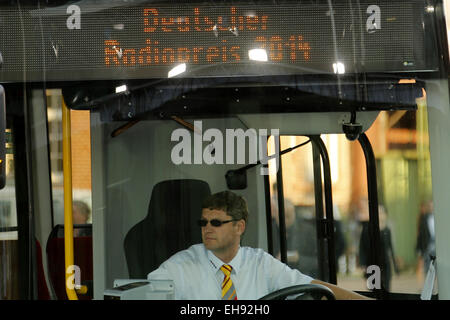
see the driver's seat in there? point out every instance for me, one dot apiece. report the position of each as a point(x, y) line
point(170, 225)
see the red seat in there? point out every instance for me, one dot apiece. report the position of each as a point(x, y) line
point(56, 263)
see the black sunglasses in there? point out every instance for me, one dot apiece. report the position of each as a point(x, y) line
point(214, 222)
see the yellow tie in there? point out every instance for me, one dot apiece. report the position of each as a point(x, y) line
point(228, 290)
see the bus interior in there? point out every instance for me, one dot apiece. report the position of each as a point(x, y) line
point(336, 125)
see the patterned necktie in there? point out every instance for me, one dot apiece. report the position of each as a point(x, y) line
point(228, 290)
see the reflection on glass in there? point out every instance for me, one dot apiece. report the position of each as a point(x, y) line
point(179, 69)
point(339, 68)
point(257, 55)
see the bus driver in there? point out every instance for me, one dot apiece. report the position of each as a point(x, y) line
point(220, 268)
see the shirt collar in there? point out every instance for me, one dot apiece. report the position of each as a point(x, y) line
point(216, 263)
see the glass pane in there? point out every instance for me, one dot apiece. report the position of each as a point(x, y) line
point(54, 116)
point(299, 205)
point(81, 196)
point(400, 142)
point(9, 257)
point(81, 162)
point(169, 101)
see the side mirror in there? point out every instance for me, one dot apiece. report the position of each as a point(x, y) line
point(2, 138)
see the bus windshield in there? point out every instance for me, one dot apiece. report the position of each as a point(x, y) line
point(316, 113)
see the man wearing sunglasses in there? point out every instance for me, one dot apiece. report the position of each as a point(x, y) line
point(220, 268)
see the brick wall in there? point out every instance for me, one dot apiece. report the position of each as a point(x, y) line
point(81, 151)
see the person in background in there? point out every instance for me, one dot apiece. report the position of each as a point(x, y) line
point(292, 234)
point(425, 246)
point(387, 251)
point(81, 214)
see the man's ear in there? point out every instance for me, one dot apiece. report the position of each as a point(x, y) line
point(241, 226)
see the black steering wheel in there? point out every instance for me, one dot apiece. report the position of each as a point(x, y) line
point(315, 290)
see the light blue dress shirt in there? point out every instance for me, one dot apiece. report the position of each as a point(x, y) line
point(197, 276)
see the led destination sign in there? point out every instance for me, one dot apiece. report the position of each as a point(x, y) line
point(149, 40)
point(206, 39)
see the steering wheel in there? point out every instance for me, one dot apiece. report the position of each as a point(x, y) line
point(316, 290)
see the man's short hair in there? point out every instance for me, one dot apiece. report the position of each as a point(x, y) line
point(234, 205)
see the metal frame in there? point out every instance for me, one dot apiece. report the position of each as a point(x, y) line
point(374, 226)
point(324, 225)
